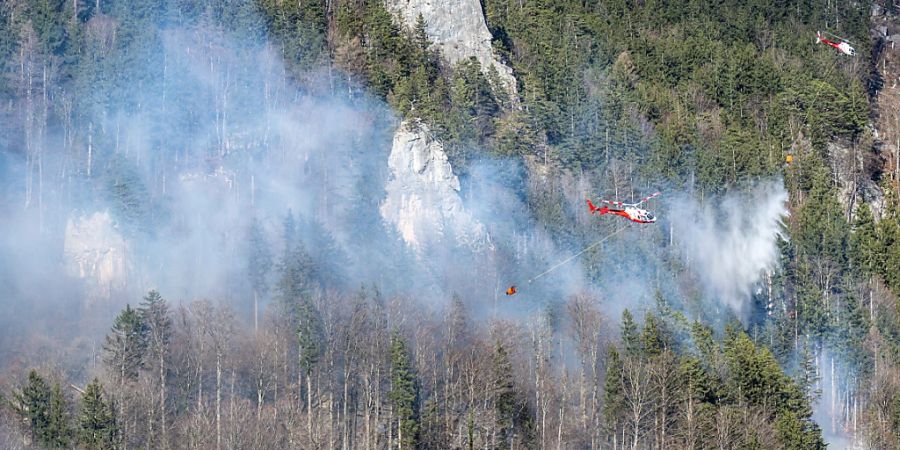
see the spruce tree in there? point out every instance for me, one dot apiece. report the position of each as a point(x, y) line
point(309, 334)
point(297, 272)
point(631, 339)
point(653, 338)
point(59, 431)
point(504, 393)
point(156, 325)
point(154, 313)
point(807, 376)
point(259, 263)
point(795, 433)
point(866, 254)
point(614, 399)
point(404, 394)
point(33, 404)
point(125, 344)
point(97, 420)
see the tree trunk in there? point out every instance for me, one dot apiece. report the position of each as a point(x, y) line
point(218, 400)
point(309, 411)
point(162, 401)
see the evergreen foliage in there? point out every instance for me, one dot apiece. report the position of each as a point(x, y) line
point(125, 345)
point(59, 431)
point(97, 421)
point(512, 413)
point(33, 404)
point(157, 328)
point(259, 261)
point(404, 394)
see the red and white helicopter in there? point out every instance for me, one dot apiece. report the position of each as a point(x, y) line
point(843, 46)
point(629, 211)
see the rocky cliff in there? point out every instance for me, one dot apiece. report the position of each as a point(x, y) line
point(423, 202)
point(886, 63)
point(96, 253)
point(458, 29)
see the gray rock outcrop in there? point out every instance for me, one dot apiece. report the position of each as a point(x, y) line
point(854, 189)
point(458, 29)
point(423, 202)
point(97, 253)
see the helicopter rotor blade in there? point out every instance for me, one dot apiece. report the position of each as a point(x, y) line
point(655, 194)
point(838, 37)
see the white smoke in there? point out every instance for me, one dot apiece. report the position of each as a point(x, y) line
point(731, 241)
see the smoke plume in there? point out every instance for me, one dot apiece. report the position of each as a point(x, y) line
point(731, 241)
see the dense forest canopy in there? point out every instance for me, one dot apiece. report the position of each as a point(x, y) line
point(195, 256)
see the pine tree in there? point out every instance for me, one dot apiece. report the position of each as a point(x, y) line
point(807, 376)
point(631, 339)
point(653, 337)
point(154, 314)
point(33, 404)
point(697, 394)
point(504, 393)
point(259, 263)
point(866, 254)
point(614, 400)
point(97, 420)
point(297, 277)
point(125, 344)
point(797, 434)
point(706, 346)
point(329, 259)
point(59, 431)
point(889, 237)
point(129, 196)
point(404, 394)
point(420, 35)
point(309, 334)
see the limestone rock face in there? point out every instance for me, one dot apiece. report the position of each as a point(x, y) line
point(854, 189)
point(423, 202)
point(97, 253)
point(458, 29)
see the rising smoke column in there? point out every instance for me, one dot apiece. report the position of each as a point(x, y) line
point(730, 241)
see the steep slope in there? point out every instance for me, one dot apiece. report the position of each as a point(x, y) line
point(423, 201)
point(457, 28)
point(887, 100)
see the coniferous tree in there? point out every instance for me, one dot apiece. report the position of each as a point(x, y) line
point(259, 263)
point(125, 344)
point(889, 235)
point(297, 278)
point(309, 335)
point(98, 429)
point(613, 399)
point(154, 314)
point(653, 339)
point(797, 434)
point(504, 392)
point(329, 259)
point(59, 430)
point(697, 397)
point(404, 394)
point(33, 404)
point(866, 254)
point(631, 339)
point(807, 373)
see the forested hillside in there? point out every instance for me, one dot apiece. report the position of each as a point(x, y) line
point(195, 251)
